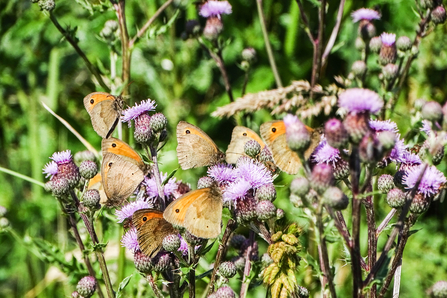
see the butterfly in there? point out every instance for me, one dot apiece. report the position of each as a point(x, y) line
point(152, 228)
point(239, 137)
point(195, 148)
point(198, 211)
point(105, 111)
point(122, 170)
point(274, 134)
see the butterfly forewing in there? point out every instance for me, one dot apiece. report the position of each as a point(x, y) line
point(104, 110)
point(118, 147)
point(239, 137)
point(120, 178)
point(195, 148)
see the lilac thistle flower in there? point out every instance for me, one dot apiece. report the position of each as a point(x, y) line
point(431, 180)
point(128, 210)
point(397, 154)
point(151, 186)
point(410, 160)
point(254, 173)
point(365, 14)
point(215, 9)
point(324, 153)
point(62, 157)
point(379, 126)
point(358, 100)
point(388, 39)
point(426, 127)
point(236, 190)
point(137, 110)
point(130, 240)
point(50, 169)
point(183, 246)
point(222, 173)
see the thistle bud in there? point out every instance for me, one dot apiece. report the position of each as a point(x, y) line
point(395, 198)
point(438, 15)
point(322, 177)
point(47, 5)
point(213, 28)
point(431, 111)
point(171, 242)
point(60, 186)
point(86, 286)
point(404, 43)
point(3, 211)
point(298, 137)
point(252, 148)
point(280, 213)
point(359, 68)
point(225, 292)
point(335, 198)
point(427, 3)
point(341, 169)
point(88, 169)
point(142, 131)
point(375, 44)
point(390, 71)
point(162, 262)
point(385, 183)
point(91, 199)
point(360, 44)
point(439, 289)
point(266, 192)
point(84, 155)
point(420, 203)
point(357, 125)
point(249, 55)
point(158, 122)
point(336, 133)
point(265, 210)
point(300, 186)
point(142, 262)
point(227, 269)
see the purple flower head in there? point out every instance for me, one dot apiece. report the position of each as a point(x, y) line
point(397, 154)
point(410, 160)
point(388, 39)
point(183, 246)
point(365, 14)
point(50, 169)
point(130, 240)
point(135, 111)
point(290, 120)
point(324, 153)
point(430, 183)
point(236, 190)
point(357, 100)
point(215, 9)
point(254, 173)
point(426, 127)
point(62, 157)
point(379, 126)
point(151, 186)
point(128, 210)
point(222, 173)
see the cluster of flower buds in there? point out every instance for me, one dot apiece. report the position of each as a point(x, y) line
point(45, 5)
point(110, 32)
point(149, 129)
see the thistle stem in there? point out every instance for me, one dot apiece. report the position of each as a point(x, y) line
point(267, 44)
point(151, 281)
point(157, 176)
point(247, 268)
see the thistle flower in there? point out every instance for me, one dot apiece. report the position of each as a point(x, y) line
point(86, 286)
point(215, 9)
point(66, 168)
point(142, 262)
point(357, 100)
point(172, 242)
point(335, 133)
point(222, 173)
point(365, 14)
point(438, 15)
point(388, 52)
point(170, 188)
point(50, 169)
point(128, 210)
point(324, 153)
point(254, 172)
point(298, 137)
point(426, 127)
point(136, 111)
point(397, 154)
point(430, 183)
point(375, 44)
point(183, 248)
point(236, 190)
point(130, 240)
point(410, 160)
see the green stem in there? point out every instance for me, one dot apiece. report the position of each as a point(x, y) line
point(267, 44)
point(18, 175)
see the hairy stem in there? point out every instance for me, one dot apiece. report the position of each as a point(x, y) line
point(247, 268)
point(156, 173)
point(372, 241)
point(153, 285)
point(267, 44)
point(354, 165)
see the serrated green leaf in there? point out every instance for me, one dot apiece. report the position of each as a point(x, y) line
point(122, 285)
point(169, 176)
point(156, 31)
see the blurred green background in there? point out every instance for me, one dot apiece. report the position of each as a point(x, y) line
point(38, 65)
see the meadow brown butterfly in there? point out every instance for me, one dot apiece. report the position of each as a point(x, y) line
point(274, 134)
point(104, 110)
point(195, 148)
point(239, 137)
point(152, 228)
point(96, 183)
point(122, 170)
point(199, 211)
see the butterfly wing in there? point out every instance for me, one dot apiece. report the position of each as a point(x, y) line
point(118, 147)
point(120, 178)
point(152, 228)
point(274, 134)
point(96, 183)
point(239, 137)
point(198, 211)
point(104, 110)
point(195, 148)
